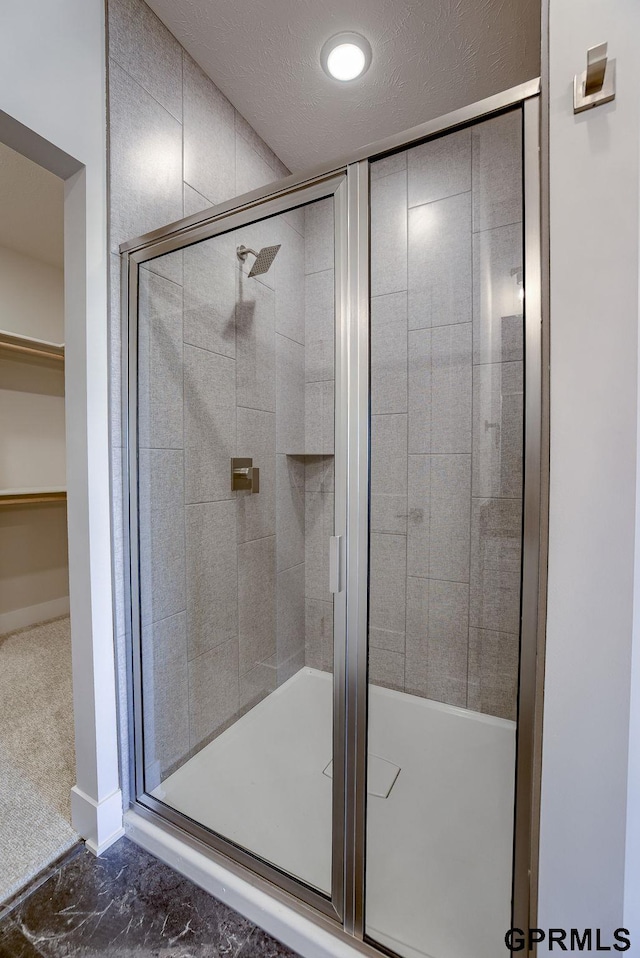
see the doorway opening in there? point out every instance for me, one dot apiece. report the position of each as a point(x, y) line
point(37, 751)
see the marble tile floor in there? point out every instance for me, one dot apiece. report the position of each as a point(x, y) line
point(124, 904)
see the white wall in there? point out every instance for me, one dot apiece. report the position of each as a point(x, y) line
point(34, 572)
point(594, 188)
point(31, 296)
point(52, 82)
point(32, 425)
point(632, 862)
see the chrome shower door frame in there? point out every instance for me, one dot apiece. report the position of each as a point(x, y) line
point(348, 181)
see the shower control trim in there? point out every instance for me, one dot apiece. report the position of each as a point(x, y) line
point(245, 477)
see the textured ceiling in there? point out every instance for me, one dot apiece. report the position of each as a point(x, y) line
point(32, 205)
point(429, 57)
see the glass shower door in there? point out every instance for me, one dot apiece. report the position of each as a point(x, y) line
point(447, 349)
point(236, 385)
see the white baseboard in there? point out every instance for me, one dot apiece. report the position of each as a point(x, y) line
point(293, 929)
point(99, 823)
point(33, 614)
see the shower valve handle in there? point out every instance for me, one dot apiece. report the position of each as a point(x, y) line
point(245, 477)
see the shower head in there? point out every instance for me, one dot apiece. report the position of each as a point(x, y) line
point(264, 258)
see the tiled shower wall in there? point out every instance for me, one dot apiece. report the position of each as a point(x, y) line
point(446, 425)
point(178, 146)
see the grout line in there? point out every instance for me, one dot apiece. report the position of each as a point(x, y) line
point(117, 63)
point(489, 229)
point(441, 199)
point(284, 336)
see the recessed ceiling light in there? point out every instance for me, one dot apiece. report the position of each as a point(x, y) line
point(346, 56)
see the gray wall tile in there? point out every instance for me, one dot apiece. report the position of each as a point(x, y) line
point(143, 46)
point(386, 668)
point(290, 396)
point(389, 455)
point(384, 639)
point(256, 602)
point(160, 361)
point(252, 171)
point(319, 634)
point(257, 683)
point(314, 443)
point(290, 285)
point(417, 636)
point(387, 576)
point(290, 617)
point(290, 492)
point(256, 439)
point(440, 168)
point(210, 295)
point(249, 135)
point(209, 136)
point(437, 637)
point(389, 514)
point(497, 171)
point(419, 518)
point(212, 575)
point(440, 263)
point(495, 564)
point(210, 424)
point(493, 673)
point(389, 164)
point(318, 527)
point(290, 666)
point(319, 236)
point(450, 526)
point(451, 389)
point(319, 473)
point(213, 691)
point(328, 417)
point(498, 328)
point(194, 202)
point(419, 391)
point(165, 691)
point(146, 183)
point(256, 349)
point(389, 353)
point(162, 533)
point(498, 433)
point(319, 326)
point(389, 234)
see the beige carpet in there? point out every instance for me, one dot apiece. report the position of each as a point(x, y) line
point(37, 758)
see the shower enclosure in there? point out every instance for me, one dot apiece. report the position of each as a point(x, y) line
point(333, 392)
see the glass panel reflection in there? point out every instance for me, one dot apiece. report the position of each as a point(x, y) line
point(446, 513)
point(236, 362)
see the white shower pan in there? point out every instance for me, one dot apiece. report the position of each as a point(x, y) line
point(439, 849)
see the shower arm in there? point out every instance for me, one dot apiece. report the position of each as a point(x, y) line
point(243, 252)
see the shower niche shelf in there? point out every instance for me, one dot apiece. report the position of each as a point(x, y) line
point(314, 453)
point(26, 346)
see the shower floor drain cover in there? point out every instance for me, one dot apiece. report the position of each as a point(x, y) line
point(381, 775)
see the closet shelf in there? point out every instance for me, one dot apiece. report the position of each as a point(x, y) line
point(12, 342)
point(18, 497)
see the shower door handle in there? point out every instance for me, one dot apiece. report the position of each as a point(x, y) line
point(335, 544)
